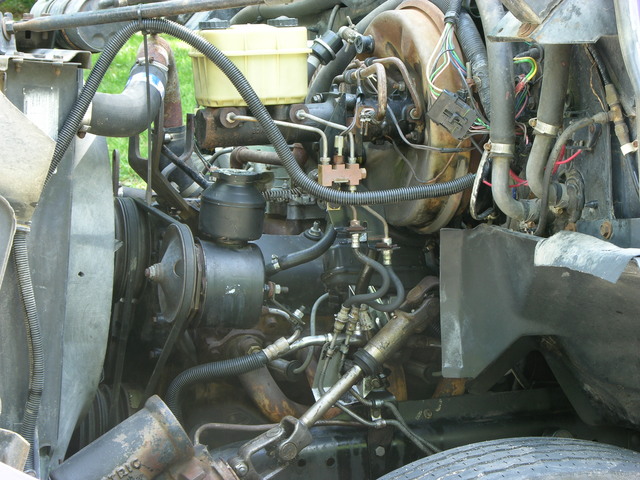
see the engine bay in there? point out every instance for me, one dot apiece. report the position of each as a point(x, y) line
point(371, 244)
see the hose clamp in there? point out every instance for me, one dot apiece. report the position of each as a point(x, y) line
point(542, 128)
point(630, 147)
point(275, 263)
point(502, 148)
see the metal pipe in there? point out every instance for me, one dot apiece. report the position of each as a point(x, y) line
point(380, 348)
point(240, 156)
point(413, 91)
point(123, 14)
point(268, 396)
point(232, 117)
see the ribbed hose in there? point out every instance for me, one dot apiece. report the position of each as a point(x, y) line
point(211, 371)
point(597, 58)
point(294, 259)
point(298, 176)
point(475, 52)
point(395, 304)
point(34, 342)
point(473, 48)
point(367, 298)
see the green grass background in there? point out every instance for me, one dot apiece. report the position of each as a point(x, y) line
point(115, 80)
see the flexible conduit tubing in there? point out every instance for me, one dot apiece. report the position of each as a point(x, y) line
point(298, 176)
point(34, 342)
point(211, 371)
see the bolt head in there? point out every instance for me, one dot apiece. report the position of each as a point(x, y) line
point(380, 451)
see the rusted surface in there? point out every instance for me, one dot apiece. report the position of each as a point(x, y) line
point(397, 381)
point(377, 69)
point(410, 34)
point(160, 52)
point(450, 387)
point(268, 397)
point(240, 156)
point(408, 81)
point(142, 447)
point(211, 133)
point(349, 173)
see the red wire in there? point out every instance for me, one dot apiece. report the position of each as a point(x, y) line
point(572, 157)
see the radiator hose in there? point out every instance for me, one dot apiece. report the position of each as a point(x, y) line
point(298, 176)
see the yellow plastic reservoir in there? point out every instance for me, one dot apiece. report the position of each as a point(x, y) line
point(273, 59)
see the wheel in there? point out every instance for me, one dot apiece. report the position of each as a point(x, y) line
point(525, 458)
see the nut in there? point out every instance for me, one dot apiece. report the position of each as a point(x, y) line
point(606, 230)
point(380, 451)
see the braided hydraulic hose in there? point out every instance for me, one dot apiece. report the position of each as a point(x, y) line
point(34, 341)
point(299, 177)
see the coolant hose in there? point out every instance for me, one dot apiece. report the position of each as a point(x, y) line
point(34, 342)
point(298, 176)
point(503, 133)
point(211, 371)
point(294, 259)
point(366, 298)
point(301, 8)
point(550, 112)
point(126, 114)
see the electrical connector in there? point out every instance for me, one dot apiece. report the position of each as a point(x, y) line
point(452, 113)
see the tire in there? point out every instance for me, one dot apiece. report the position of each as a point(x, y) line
point(526, 458)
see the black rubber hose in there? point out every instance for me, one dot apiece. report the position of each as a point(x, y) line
point(302, 8)
point(395, 304)
point(294, 259)
point(475, 52)
point(298, 176)
point(126, 114)
point(500, 76)
point(602, 68)
point(364, 279)
point(211, 371)
point(178, 162)
point(34, 342)
point(367, 298)
point(550, 112)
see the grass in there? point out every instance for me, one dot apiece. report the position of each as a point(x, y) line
point(115, 80)
point(17, 7)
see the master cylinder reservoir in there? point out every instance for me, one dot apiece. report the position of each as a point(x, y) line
point(272, 58)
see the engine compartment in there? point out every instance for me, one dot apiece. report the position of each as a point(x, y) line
point(371, 243)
